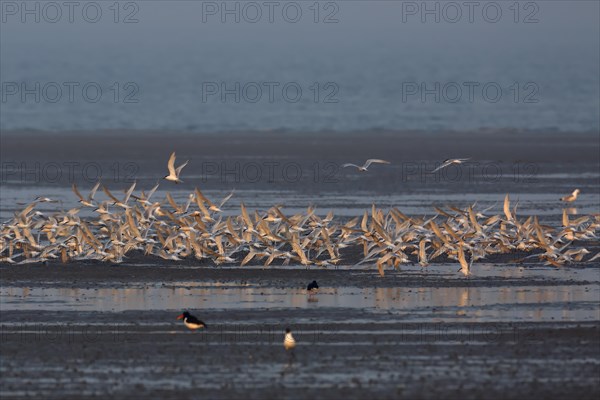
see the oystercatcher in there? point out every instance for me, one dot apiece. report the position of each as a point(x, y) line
point(190, 321)
point(312, 287)
point(289, 342)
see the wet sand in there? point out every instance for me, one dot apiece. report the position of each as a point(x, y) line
point(506, 332)
point(336, 359)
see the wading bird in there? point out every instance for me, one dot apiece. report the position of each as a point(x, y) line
point(313, 287)
point(572, 197)
point(191, 322)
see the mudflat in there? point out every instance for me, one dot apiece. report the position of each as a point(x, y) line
point(510, 332)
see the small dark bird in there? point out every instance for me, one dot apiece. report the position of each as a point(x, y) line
point(190, 321)
point(313, 286)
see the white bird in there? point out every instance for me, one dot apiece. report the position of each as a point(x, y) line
point(89, 202)
point(289, 342)
point(41, 199)
point(145, 198)
point(450, 161)
point(117, 202)
point(174, 172)
point(366, 165)
point(572, 197)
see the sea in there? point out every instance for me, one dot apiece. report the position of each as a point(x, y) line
point(221, 66)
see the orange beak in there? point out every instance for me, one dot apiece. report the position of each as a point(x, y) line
point(180, 317)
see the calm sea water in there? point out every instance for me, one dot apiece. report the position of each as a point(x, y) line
point(180, 67)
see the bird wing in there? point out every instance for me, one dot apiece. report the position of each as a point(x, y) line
point(128, 193)
point(246, 217)
point(376, 161)
point(172, 202)
point(109, 194)
point(349, 165)
point(26, 210)
point(248, 258)
point(226, 199)
point(171, 164)
point(507, 212)
point(93, 191)
point(151, 192)
point(194, 320)
point(191, 198)
point(298, 250)
point(178, 170)
point(204, 198)
point(281, 215)
point(74, 188)
point(444, 165)
point(132, 225)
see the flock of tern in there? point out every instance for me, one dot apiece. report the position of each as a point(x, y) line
point(197, 228)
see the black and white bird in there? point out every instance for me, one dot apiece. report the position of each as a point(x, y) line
point(312, 287)
point(191, 322)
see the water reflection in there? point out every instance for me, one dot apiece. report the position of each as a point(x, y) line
point(568, 302)
point(570, 210)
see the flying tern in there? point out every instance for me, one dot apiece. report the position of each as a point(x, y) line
point(366, 165)
point(174, 172)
